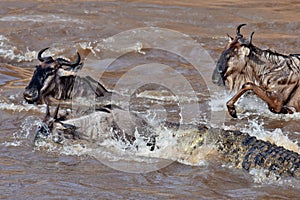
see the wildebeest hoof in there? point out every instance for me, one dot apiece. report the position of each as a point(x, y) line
point(232, 111)
point(287, 110)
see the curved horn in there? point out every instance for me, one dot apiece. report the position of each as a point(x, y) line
point(62, 61)
point(40, 54)
point(250, 37)
point(238, 29)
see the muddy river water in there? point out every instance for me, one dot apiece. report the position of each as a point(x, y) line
point(163, 52)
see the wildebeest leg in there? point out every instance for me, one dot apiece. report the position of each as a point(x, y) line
point(274, 102)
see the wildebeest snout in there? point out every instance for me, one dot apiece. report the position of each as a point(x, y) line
point(31, 94)
point(217, 77)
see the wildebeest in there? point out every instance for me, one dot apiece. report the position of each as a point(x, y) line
point(55, 78)
point(272, 76)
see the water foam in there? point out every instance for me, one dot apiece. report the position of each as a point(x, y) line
point(20, 108)
point(256, 128)
point(264, 177)
point(218, 101)
point(27, 129)
point(171, 145)
point(9, 51)
point(49, 18)
point(247, 106)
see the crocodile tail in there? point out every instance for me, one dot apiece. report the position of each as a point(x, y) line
point(248, 152)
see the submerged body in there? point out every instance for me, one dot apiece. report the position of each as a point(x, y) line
point(240, 149)
point(96, 127)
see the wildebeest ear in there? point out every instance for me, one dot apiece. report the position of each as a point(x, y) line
point(230, 39)
point(245, 50)
point(62, 72)
point(250, 37)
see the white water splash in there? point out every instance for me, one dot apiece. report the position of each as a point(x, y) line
point(9, 51)
point(218, 101)
point(49, 18)
point(21, 108)
point(260, 177)
point(27, 129)
point(256, 128)
point(171, 145)
point(247, 106)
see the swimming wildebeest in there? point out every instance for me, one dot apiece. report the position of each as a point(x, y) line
point(56, 78)
point(238, 148)
point(272, 76)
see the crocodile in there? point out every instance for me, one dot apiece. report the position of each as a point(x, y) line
point(236, 147)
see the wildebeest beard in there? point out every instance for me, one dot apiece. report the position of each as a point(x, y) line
point(218, 76)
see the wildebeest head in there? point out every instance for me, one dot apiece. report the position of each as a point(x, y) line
point(46, 72)
point(233, 60)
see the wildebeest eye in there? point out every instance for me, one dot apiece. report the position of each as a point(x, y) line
point(50, 71)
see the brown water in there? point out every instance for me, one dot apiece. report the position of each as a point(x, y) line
point(159, 34)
